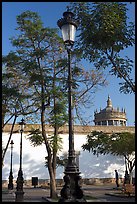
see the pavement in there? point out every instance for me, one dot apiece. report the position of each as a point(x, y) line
point(93, 193)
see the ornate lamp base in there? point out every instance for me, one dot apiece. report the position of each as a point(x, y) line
point(10, 185)
point(19, 196)
point(19, 193)
point(71, 191)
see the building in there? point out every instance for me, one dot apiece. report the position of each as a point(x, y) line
point(110, 115)
point(91, 166)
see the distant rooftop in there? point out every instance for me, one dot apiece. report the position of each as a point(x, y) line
point(110, 115)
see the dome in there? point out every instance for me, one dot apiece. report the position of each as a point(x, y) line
point(110, 115)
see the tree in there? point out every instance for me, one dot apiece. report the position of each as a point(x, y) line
point(34, 54)
point(119, 144)
point(40, 64)
point(103, 34)
point(13, 95)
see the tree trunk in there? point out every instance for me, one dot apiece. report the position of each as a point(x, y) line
point(53, 193)
point(5, 150)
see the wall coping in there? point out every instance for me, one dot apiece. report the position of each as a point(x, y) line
point(78, 129)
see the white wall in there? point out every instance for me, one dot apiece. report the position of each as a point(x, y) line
point(33, 158)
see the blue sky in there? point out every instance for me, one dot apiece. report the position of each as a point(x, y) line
point(50, 12)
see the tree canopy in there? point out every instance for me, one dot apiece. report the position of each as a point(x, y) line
point(37, 71)
point(117, 144)
point(104, 32)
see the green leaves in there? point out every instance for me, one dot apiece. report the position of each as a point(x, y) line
point(29, 21)
point(103, 33)
point(35, 137)
point(116, 144)
point(55, 142)
point(108, 25)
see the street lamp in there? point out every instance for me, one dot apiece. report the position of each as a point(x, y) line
point(71, 191)
point(10, 185)
point(19, 193)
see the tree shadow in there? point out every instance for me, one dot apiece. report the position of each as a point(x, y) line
point(102, 166)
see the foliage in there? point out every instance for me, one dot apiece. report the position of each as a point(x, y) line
point(123, 144)
point(35, 137)
point(97, 142)
point(61, 161)
point(117, 143)
point(31, 62)
point(37, 53)
point(103, 34)
point(55, 142)
point(38, 68)
point(12, 95)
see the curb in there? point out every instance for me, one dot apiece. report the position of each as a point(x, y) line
point(91, 200)
point(120, 195)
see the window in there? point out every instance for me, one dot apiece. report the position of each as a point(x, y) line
point(110, 122)
point(104, 122)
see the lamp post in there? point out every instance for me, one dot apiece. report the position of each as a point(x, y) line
point(71, 191)
point(19, 193)
point(10, 185)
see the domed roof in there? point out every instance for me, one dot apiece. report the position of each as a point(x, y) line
point(109, 103)
point(109, 115)
point(109, 106)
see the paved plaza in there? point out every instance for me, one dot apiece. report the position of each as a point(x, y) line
point(94, 193)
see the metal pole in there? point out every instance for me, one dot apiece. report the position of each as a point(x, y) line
point(71, 133)
point(19, 193)
point(71, 191)
point(71, 165)
point(21, 151)
point(11, 157)
point(10, 185)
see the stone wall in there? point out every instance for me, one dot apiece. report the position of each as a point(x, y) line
point(33, 158)
point(78, 129)
point(60, 182)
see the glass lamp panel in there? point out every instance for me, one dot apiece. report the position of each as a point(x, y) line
point(22, 127)
point(11, 144)
point(68, 32)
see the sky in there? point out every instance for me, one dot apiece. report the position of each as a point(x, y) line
point(50, 13)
